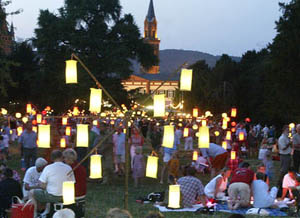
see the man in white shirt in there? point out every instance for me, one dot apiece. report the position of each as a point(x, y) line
point(32, 175)
point(289, 182)
point(52, 178)
point(285, 150)
point(261, 195)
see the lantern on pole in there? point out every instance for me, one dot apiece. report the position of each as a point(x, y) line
point(186, 132)
point(228, 135)
point(39, 118)
point(64, 121)
point(44, 136)
point(241, 136)
point(203, 138)
point(232, 155)
point(20, 130)
point(68, 131)
point(63, 142)
point(174, 196)
point(71, 71)
point(233, 112)
point(96, 167)
point(82, 139)
point(195, 112)
point(186, 80)
point(159, 105)
point(152, 166)
point(68, 192)
point(168, 138)
point(195, 156)
point(28, 108)
point(95, 100)
point(224, 145)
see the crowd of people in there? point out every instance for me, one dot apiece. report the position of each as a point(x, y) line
point(232, 179)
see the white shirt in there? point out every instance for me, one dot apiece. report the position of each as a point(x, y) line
point(32, 176)
point(210, 188)
point(288, 181)
point(213, 150)
point(261, 195)
point(54, 175)
point(282, 143)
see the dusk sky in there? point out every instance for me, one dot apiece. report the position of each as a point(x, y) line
point(211, 26)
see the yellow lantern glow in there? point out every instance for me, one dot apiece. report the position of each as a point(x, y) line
point(186, 80)
point(152, 167)
point(68, 192)
point(3, 111)
point(76, 111)
point(95, 100)
point(71, 71)
point(95, 122)
point(224, 145)
point(44, 136)
point(224, 124)
point(217, 133)
point(291, 126)
point(203, 139)
point(34, 129)
point(185, 132)
point(25, 119)
point(168, 139)
point(18, 115)
point(20, 130)
point(39, 118)
point(195, 127)
point(174, 196)
point(228, 135)
point(204, 123)
point(62, 142)
point(159, 105)
point(195, 112)
point(64, 121)
point(195, 156)
point(28, 108)
point(96, 167)
point(232, 155)
point(68, 131)
point(233, 112)
point(82, 139)
point(241, 136)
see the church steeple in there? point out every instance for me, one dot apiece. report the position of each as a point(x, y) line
point(150, 34)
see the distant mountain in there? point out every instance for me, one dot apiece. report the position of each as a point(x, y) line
point(171, 59)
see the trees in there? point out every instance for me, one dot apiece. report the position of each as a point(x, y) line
point(97, 32)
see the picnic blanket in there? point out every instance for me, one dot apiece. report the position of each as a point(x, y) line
point(164, 209)
point(272, 212)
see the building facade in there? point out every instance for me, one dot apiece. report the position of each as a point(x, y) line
point(6, 35)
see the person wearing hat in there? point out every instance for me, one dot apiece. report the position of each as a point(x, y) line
point(32, 175)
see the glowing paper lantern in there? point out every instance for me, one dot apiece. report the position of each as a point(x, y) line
point(233, 129)
point(233, 112)
point(195, 156)
point(195, 112)
point(19, 130)
point(208, 113)
point(217, 133)
point(34, 129)
point(64, 121)
point(25, 119)
point(233, 124)
point(28, 108)
point(291, 126)
point(152, 167)
point(39, 118)
point(96, 167)
point(185, 132)
point(68, 131)
point(18, 115)
point(224, 145)
point(224, 115)
point(71, 71)
point(174, 196)
point(186, 80)
point(3, 111)
point(76, 111)
point(168, 139)
point(232, 155)
point(95, 100)
point(195, 127)
point(62, 142)
point(82, 139)
point(248, 120)
point(241, 136)
point(228, 135)
point(44, 136)
point(95, 122)
point(224, 124)
point(203, 140)
point(68, 192)
point(159, 105)
point(204, 123)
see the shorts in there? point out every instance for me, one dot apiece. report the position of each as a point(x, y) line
point(219, 161)
point(44, 197)
point(167, 157)
point(120, 158)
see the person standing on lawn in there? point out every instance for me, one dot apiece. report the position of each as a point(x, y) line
point(296, 148)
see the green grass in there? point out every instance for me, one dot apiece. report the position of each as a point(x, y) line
point(102, 197)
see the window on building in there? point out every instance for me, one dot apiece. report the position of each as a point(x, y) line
point(171, 94)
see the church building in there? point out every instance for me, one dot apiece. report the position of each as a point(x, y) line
point(150, 80)
point(6, 35)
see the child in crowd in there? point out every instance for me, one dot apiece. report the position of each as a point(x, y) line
point(268, 162)
point(138, 170)
point(173, 168)
point(201, 164)
point(262, 169)
point(244, 150)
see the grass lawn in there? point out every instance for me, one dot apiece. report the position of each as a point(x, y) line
point(102, 197)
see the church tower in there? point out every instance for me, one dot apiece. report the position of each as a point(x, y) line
point(150, 35)
point(6, 37)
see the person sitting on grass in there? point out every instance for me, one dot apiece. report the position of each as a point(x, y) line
point(262, 169)
point(138, 163)
point(289, 181)
point(216, 187)
point(173, 168)
point(261, 195)
point(191, 188)
point(118, 213)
